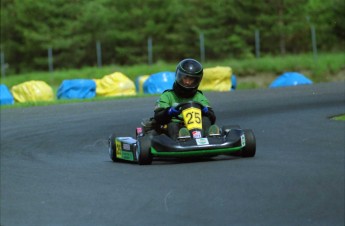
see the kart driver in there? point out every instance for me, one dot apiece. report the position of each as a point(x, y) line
point(188, 76)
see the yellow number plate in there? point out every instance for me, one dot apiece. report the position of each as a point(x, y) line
point(118, 149)
point(192, 118)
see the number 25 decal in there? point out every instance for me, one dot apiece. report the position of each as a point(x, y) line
point(193, 117)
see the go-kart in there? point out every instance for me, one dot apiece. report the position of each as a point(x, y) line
point(150, 142)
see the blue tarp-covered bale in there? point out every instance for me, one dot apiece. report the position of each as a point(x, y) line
point(290, 79)
point(233, 82)
point(5, 95)
point(159, 82)
point(77, 89)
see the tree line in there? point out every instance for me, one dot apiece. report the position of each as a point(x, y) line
point(71, 29)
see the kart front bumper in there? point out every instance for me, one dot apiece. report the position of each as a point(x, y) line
point(163, 146)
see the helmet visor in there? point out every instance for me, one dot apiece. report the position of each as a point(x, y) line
point(188, 81)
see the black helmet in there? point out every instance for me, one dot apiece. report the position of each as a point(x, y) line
point(189, 73)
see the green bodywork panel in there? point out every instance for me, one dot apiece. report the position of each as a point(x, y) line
point(127, 155)
point(154, 152)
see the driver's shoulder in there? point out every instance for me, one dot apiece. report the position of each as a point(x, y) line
point(168, 91)
point(167, 96)
point(200, 94)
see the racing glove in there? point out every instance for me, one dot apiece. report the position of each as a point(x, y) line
point(173, 112)
point(204, 110)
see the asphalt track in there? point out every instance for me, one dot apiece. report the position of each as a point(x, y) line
point(55, 168)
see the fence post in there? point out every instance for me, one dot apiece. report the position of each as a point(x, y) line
point(149, 50)
point(3, 66)
point(257, 43)
point(202, 47)
point(313, 40)
point(99, 53)
point(50, 59)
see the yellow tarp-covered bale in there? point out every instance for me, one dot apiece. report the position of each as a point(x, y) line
point(216, 79)
point(32, 91)
point(116, 84)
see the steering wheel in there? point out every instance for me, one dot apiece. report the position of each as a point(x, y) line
point(188, 104)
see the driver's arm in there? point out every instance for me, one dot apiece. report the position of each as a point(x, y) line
point(204, 101)
point(162, 107)
point(161, 116)
point(211, 115)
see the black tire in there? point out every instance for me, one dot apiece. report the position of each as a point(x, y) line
point(144, 155)
point(250, 149)
point(112, 148)
point(225, 129)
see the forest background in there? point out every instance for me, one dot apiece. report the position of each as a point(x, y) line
point(72, 29)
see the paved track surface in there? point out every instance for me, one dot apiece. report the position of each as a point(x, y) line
point(55, 168)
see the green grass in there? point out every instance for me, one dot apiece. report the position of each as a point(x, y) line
point(71, 101)
point(327, 67)
point(328, 64)
point(55, 78)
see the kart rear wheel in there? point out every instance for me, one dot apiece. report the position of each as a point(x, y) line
point(112, 148)
point(250, 149)
point(144, 155)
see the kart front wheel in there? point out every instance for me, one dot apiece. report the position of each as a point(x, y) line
point(250, 149)
point(112, 148)
point(144, 155)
